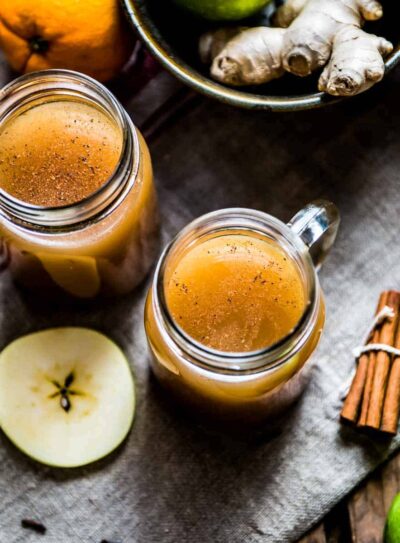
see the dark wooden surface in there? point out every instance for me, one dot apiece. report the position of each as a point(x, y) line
point(361, 517)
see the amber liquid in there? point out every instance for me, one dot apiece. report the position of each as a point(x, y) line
point(59, 152)
point(235, 293)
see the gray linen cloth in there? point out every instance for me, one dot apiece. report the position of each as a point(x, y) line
point(174, 481)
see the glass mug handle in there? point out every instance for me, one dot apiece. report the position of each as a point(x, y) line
point(317, 225)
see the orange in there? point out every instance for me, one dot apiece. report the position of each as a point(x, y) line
point(88, 36)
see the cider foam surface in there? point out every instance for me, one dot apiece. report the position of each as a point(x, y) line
point(57, 153)
point(235, 293)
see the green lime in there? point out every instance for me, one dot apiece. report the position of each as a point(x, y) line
point(392, 528)
point(218, 10)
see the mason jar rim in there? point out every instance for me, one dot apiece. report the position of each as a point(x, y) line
point(50, 83)
point(246, 220)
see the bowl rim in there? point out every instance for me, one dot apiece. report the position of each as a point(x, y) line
point(228, 95)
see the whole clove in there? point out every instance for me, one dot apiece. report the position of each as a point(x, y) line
point(33, 525)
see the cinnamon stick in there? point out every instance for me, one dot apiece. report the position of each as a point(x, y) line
point(351, 406)
point(358, 397)
point(372, 364)
point(391, 407)
point(382, 365)
point(368, 384)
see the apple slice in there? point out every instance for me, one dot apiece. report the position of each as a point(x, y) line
point(78, 275)
point(66, 396)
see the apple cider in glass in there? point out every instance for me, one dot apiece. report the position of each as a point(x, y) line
point(235, 292)
point(236, 310)
point(78, 206)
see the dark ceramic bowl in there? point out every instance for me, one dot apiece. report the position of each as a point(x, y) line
point(172, 36)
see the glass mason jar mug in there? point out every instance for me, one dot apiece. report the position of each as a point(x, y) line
point(209, 371)
point(102, 242)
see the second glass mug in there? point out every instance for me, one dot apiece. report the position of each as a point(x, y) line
point(243, 386)
point(103, 244)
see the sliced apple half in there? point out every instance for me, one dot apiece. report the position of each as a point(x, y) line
point(78, 275)
point(66, 396)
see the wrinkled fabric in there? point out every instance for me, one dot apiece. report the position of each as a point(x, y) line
point(173, 480)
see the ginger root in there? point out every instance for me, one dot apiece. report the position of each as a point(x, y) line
point(212, 43)
point(309, 40)
point(288, 12)
point(252, 57)
point(347, 74)
point(316, 33)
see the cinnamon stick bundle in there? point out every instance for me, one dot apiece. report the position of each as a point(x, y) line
point(355, 407)
point(373, 400)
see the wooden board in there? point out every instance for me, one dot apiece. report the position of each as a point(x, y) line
point(360, 518)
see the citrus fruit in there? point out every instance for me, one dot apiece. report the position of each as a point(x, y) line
point(88, 36)
point(228, 10)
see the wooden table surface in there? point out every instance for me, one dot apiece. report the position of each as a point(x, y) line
point(361, 516)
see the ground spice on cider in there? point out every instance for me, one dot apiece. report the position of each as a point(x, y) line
point(235, 293)
point(58, 153)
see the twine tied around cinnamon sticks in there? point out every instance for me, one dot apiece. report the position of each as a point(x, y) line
point(373, 401)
